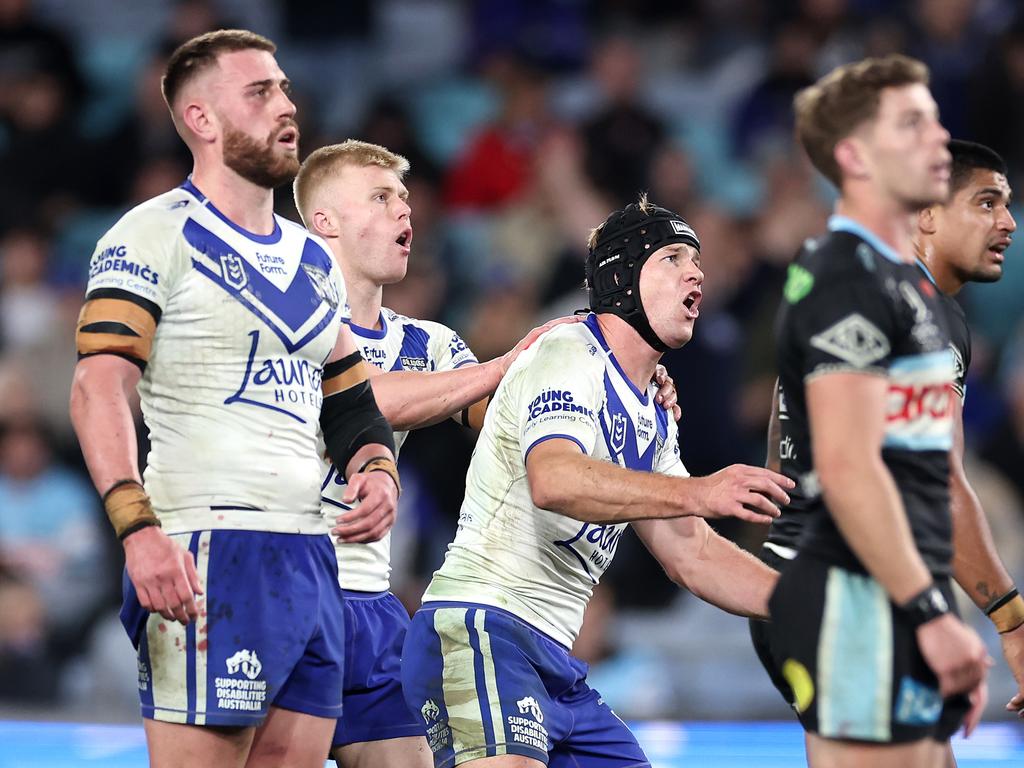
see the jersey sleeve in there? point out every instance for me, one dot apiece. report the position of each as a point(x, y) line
point(344, 310)
point(132, 275)
point(447, 349)
point(668, 460)
point(560, 394)
point(845, 325)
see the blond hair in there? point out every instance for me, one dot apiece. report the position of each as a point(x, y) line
point(843, 100)
point(642, 203)
point(326, 161)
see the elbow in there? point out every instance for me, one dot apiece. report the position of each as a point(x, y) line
point(690, 555)
point(544, 491)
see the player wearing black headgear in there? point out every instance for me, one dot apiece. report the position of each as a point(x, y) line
point(618, 250)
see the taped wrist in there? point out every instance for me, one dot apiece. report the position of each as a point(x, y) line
point(383, 464)
point(128, 508)
point(1006, 612)
point(349, 416)
point(473, 416)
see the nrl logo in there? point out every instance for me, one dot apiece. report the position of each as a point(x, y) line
point(233, 270)
point(618, 432)
point(247, 662)
point(322, 284)
point(430, 711)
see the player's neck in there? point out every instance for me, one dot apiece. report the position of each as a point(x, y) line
point(892, 223)
point(248, 205)
point(943, 274)
point(636, 357)
point(364, 299)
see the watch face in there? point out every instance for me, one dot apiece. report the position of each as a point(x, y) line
point(938, 601)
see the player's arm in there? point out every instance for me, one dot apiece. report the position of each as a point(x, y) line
point(114, 336)
point(864, 502)
point(415, 399)
point(710, 566)
point(359, 439)
point(564, 480)
point(977, 566)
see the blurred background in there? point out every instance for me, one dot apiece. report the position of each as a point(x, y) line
point(525, 123)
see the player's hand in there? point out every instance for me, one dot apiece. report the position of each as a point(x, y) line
point(1013, 651)
point(667, 396)
point(506, 360)
point(955, 654)
point(378, 505)
point(163, 574)
point(748, 493)
point(978, 698)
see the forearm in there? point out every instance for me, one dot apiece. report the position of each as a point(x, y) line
point(594, 491)
point(976, 564)
point(411, 399)
point(102, 418)
point(365, 454)
point(865, 504)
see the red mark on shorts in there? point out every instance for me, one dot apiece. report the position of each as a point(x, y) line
point(162, 627)
point(220, 517)
point(202, 645)
point(202, 629)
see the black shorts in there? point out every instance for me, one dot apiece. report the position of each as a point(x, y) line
point(761, 638)
point(851, 660)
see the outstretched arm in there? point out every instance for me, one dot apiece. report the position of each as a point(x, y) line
point(710, 566)
point(564, 480)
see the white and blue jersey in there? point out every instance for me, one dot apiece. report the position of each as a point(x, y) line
point(539, 565)
point(401, 344)
point(231, 393)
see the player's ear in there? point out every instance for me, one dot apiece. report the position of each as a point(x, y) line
point(200, 121)
point(323, 223)
point(926, 220)
point(849, 156)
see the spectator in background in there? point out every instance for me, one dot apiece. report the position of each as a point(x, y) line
point(29, 308)
point(495, 168)
point(27, 671)
point(50, 540)
point(624, 136)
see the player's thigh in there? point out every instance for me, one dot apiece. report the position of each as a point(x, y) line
point(831, 753)
point(408, 752)
point(174, 745)
point(289, 739)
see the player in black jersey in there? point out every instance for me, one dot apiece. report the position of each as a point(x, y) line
point(964, 241)
point(862, 629)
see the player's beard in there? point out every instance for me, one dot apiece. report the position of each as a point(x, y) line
point(256, 162)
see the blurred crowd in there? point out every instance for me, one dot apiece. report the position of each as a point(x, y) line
point(525, 123)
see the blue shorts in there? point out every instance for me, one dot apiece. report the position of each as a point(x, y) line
point(270, 632)
point(375, 624)
point(485, 684)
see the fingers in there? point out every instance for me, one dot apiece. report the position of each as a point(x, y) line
point(753, 515)
point(978, 698)
point(768, 490)
point(756, 502)
point(677, 412)
point(1016, 704)
point(376, 511)
point(192, 575)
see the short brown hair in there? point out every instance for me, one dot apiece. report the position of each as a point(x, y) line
point(843, 100)
point(323, 162)
point(195, 55)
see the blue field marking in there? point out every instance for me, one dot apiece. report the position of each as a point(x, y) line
point(25, 744)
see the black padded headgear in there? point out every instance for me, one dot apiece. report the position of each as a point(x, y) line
point(627, 238)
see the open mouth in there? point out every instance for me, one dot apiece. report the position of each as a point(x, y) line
point(289, 137)
point(998, 249)
point(692, 303)
point(405, 239)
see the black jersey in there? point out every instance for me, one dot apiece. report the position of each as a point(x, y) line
point(960, 338)
point(851, 304)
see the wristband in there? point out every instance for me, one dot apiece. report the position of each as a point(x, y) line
point(128, 508)
point(926, 605)
point(383, 464)
point(1006, 612)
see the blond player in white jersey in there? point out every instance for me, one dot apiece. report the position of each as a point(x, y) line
point(573, 449)
point(352, 194)
point(228, 321)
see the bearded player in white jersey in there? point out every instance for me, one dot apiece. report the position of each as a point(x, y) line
point(572, 449)
point(352, 194)
point(228, 321)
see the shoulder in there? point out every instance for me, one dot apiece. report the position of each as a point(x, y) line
point(570, 347)
point(165, 212)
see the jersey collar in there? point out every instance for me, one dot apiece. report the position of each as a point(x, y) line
point(838, 223)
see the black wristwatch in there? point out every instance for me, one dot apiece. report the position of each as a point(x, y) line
point(928, 604)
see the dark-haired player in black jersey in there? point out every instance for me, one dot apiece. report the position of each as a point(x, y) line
point(964, 240)
point(879, 666)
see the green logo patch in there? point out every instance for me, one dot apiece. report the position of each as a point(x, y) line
point(799, 282)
